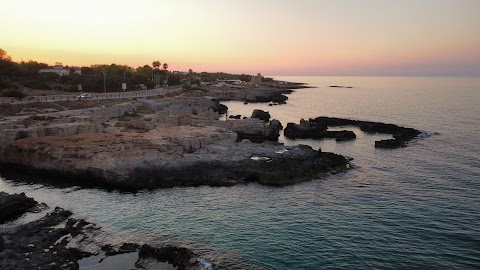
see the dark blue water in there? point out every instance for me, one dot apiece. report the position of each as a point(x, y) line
point(417, 207)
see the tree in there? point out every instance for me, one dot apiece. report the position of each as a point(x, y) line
point(165, 66)
point(156, 64)
point(4, 56)
point(7, 66)
point(30, 67)
point(145, 71)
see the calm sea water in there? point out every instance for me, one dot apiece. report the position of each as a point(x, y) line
point(412, 208)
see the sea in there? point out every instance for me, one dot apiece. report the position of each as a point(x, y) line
point(416, 207)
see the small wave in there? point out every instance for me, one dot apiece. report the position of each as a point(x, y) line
point(426, 134)
point(204, 264)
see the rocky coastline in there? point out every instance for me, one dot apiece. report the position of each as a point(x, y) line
point(58, 241)
point(161, 142)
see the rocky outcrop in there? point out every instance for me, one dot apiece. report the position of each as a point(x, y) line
point(276, 124)
point(182, 258)
point(262, 115)
point(13, 206)
point(167, 158)
point(218, 107)
point(307, 131)
point(277, 97)
point(37, 245)
point(401, 135)
point(46, 243)
point(255, 130)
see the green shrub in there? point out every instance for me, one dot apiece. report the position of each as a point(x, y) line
point(15, 93)
point(5, 84)
point(144, 110)
point(36, 85)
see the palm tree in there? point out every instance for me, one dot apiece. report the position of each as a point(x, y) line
point(165, 66)
point(156, 64)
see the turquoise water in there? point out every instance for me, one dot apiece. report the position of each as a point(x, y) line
point(415, 207)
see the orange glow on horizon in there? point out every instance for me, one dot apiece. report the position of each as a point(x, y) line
point(274, 37)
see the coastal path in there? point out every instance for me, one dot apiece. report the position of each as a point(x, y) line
point(95, 96)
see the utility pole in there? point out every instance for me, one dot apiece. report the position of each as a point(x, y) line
point(104, 84)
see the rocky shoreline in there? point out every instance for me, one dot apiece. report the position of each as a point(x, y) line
point(162, 142)
point(58, 241)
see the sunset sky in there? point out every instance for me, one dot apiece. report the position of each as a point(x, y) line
point(274, 37)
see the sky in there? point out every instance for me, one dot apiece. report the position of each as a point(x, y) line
point(274, 37)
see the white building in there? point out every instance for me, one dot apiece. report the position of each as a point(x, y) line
point(60, 70)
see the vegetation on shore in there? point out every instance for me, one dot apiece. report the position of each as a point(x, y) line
point(97, 78)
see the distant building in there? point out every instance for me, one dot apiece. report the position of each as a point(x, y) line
point(60, 70)
point(180, 72)
point(219, 83)
point(256, 79)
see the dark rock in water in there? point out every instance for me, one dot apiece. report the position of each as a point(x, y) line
point(220, 108)
point(341, 135)
point(13, 206)
point(124, 248)
point(37, 245)
point(262, 115)
point(340, 86)
point(235, 116)
point(401, 135)
point(275, 97)
point(306, 131)
point(276, 124)
point(391, 143)
point(295, 131)
point(182, 258)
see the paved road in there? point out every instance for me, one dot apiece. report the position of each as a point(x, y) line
point(131, 94)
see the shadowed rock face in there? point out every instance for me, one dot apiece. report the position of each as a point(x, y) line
point(13, 206)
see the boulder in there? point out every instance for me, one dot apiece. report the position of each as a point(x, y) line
point(262, 115)
point(276, 124)
point(13, 206)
